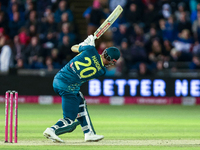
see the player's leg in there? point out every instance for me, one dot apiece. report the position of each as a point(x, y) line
point(83, 116)
point(85, 121)
point(70, 106)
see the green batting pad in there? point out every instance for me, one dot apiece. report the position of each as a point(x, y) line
point(67, 129)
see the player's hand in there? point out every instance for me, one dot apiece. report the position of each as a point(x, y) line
point(90, 40)
point(82, 44)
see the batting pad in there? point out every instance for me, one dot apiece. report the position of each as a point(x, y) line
point(84, 118)
point(66, 128)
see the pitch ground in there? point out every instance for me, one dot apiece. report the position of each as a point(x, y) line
point(124, 127)
point(112, 143)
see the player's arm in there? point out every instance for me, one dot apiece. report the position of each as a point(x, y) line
point(75, 48)
point(89, 41)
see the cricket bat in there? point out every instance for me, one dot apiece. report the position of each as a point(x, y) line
point(108, 22)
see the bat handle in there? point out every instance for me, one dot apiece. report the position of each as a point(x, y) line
point(95, 37)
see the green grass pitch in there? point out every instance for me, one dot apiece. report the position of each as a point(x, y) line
point(143, 127)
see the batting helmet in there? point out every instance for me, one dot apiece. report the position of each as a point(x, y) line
point(112, 54)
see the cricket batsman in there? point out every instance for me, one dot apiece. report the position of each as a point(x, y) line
point(87, 65)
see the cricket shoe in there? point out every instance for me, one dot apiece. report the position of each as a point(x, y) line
point(91, 137)
point(49, 133)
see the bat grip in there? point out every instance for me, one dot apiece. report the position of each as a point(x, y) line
point(95, 37)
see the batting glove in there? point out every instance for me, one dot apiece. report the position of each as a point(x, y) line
point(82, 44)
point(90, 40)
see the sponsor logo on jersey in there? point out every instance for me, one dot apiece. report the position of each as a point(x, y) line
point(71, 66)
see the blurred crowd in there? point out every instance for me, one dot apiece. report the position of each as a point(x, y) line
point(36, 34)
point(150, 34)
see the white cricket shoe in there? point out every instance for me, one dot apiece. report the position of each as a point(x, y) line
point(91, 137)
point(49, 133)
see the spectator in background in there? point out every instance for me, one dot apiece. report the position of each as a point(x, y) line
point(162, 23)
point(23, 36)
point(184, 41)
point(153, 33)
point(181, 9)
point(52, 61)
point(18, 49)
point(6, 59)
point(41, 5)
point(120, 67)
point(95, 17)
point(166, 24)
point(65, 53)
point(15, 25)
point(151, 36)
point(66, 32)
point(12, 2)
point(30, 7)
point(15, 8)
point(196, 28)
point(150, 16)
point(20, 64)
point(193, 15)
point(196, 49)
point(33, 54)
point(120, 34)
point(157, 51)
point(146, 2)
point(139, 55)
point(101, 48)
point(3, 37)
point(140, 5)
point(183, 23)
point(32, 31)
point(167, 53)
point(49, 26)
point(48, 11)
point(4, 22)
point(195, 64)
point(143, 70)
point(55, 59)
point(113, 4)
point(193, 5)
point(87, 12)
point(49, 43)
point(169, 32)
point(183, 46)
point(138, 34)
point(132, 14)
point(126, 56)
point(64, 19)
point(32, 19)
point(63, 9)
point(49, 64)
point(27, 4)
point(166, 11)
